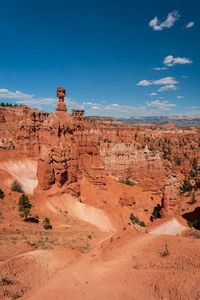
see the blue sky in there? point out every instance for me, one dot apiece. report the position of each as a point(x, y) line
point(115, 58)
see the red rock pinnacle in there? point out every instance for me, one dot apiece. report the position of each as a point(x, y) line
point(61, 105)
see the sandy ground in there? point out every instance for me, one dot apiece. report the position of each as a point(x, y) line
point(19, 168)
point(85, 212)
point(171, 227)
point(91, 252)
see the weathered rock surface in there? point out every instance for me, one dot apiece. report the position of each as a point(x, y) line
point(70, 149)
point(67, 154)
point(172, 200)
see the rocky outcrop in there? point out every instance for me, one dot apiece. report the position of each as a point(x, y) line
point(21, 126)
point(70, 149)
point(124, 161)
point(171, 199)
point(67, 154)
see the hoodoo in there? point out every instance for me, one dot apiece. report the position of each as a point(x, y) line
point(61, 104)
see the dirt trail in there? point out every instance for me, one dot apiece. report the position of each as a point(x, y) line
point(171, 227)
point(130, 268)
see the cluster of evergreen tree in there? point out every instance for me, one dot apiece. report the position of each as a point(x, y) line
point(8, 104)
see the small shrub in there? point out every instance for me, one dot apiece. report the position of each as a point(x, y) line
point(2, 195)
point(165, 252)
point(89, 236)
point(16, 187)
point(193, 174)
point(24, 206)
point(5, 280)
point(186, 187)
point(127, 182)
point(142, 224)
point(16, 296)
point(46, 224)
point(134, 219)
point(193, 200)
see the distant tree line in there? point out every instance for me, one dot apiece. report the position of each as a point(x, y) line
point(8, 104)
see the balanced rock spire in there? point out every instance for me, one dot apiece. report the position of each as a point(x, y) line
point(61, 104)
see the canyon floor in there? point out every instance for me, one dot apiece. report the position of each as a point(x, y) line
point(85, 256)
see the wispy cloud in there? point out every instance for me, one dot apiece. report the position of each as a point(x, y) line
point(6, 94)
point(163, 81)
point(180, 97)
point(190, 24)
point(160, 69)
point(161, 105)
point(168, 23)
point(171, 61)
point(152, 94)
point(167, 87)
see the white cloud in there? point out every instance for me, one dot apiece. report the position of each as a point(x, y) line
point(180, 97)
point(171, 61)
point(6, 94)
point(160, 69)
point(153, 94)
point(163, 81)
point(144, 83)
point(114, 105)
point(96, 107)
point(161, 105)
point(168, 23)
point(167, 87)
point(189, 25)
point(184, 76)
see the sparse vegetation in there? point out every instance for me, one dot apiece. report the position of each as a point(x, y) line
point(142, 224)
point(16, 187)
point(135, 220)
point(6, 281)
point(2, 195)
point(156, 212)
point(89, 236)
point(186, 187)
point(127, 181)
point(16, 296)
point(165, 252)
point(46, 224)
point(193, 200)
point(24, 206)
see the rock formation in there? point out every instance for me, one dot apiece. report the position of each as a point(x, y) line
point(70, 148)
point(61, 107)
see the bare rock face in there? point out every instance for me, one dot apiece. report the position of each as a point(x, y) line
point(124, 160)
point(21, 126)
point(172, 201)
point(67, 154)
